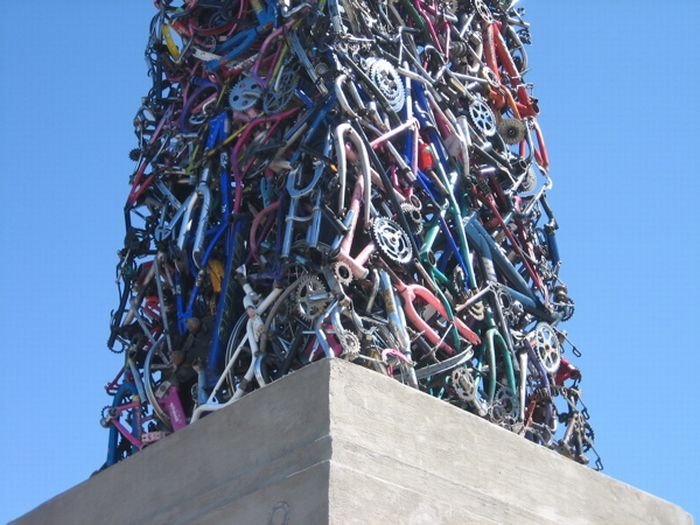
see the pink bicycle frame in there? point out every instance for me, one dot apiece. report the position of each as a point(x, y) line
point(409, 293)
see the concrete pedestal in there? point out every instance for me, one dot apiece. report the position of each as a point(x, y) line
point(336, 443)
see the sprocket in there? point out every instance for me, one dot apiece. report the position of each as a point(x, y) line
point(387, 80)
point(504, 410)
point(245, 93)
point(546, 345)
point(464, 384)
point(482, 117)
point(512, 130)
point(351, 345)
point(391, 240)
point(312, 297)
point(413, 214)
point(342, 273)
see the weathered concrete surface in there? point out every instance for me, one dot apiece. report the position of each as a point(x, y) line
point(402, 456)
point(335, 443)
point(269, 452)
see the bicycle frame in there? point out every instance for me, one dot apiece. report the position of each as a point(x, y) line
point(254, 310)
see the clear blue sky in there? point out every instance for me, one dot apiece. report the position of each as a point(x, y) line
point(617, 83)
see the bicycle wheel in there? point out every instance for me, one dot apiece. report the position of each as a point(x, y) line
point(156, 368)
point(239, 351)
point(281, 333)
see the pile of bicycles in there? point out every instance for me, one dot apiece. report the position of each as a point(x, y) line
point(354, 179)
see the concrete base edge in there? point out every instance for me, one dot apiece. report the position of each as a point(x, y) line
point(336, 443)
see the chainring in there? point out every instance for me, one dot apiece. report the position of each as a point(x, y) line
point(385, 77)
point(312, 297)
point(504, 409)
point(392, 241)
point(464, 384)
point(245, 94)
point(482, 117)
point(281, 92)
point(547, 347)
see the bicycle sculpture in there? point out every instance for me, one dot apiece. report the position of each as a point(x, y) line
point(355, 179)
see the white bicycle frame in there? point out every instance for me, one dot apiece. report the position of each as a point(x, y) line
point(254, 309)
